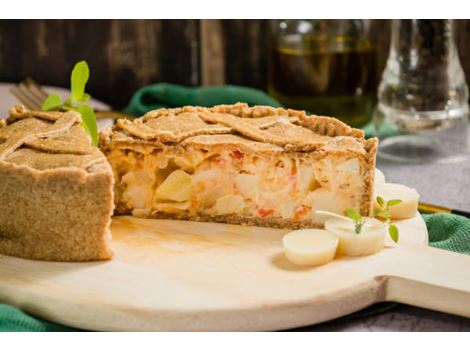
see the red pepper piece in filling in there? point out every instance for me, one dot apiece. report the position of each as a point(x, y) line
point(236, 154)
point(265, 212)
point(301, 212)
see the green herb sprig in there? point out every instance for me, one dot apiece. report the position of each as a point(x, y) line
point(382, 212)
point(76, 100)
point(359, 221)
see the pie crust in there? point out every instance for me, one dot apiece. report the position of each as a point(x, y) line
point(56, 189)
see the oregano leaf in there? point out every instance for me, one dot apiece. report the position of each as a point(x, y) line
point(53, 101)
point(393, 232)
point(89, 122)
point(85, 97)
point(78, 80)
point(393, 202)
point(353, 214)
point(358, 227)
point(380, 200)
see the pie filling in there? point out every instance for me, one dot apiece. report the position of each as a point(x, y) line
point(190, 181)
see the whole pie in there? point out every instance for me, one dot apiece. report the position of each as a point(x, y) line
point(56, 189)
point(238, 164)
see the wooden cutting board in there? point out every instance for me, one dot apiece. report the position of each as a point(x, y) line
point(177, 275)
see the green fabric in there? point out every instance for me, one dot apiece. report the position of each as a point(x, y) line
point(450, 232)
point(13, 319)
point(166, 95)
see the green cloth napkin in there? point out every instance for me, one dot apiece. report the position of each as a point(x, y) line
point(166, 95)
point(450, 232)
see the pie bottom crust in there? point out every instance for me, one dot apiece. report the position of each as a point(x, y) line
point(235, 220)
point(58, 214)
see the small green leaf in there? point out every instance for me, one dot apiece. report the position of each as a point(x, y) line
point(358, 227)
point(89, 122)
point(53, 101)
point(380, 200)
point(393, 202)
point(85, 97)
point(353, 214)
point(78, 80)
point(393, 231)
point(375, 212)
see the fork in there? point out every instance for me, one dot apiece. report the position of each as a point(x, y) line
point(32, 95)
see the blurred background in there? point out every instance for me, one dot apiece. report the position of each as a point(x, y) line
point(125, 55)
point(401, 80)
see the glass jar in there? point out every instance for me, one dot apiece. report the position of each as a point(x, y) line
point(327, 67)
point(423, 97)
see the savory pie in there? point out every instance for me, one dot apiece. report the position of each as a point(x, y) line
point(56, 189)
point(238, 164)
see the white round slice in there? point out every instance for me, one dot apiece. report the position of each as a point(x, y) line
point(371, 239)
point(408, 196)
point(379, 177)
point(310, 247)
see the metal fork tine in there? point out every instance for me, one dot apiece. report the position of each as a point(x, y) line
point(31, 96)
point(37, 88)
point(22, 98)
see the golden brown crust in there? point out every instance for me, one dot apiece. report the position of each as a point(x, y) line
point(287, 129)
point(56, 189)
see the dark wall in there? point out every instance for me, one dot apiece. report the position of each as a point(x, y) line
point(126, 54)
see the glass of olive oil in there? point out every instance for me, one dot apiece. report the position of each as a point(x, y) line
point(327, 67)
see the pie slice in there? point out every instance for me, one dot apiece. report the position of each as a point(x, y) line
point(238, 164)
point(56, 189)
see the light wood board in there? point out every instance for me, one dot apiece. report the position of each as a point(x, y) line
point(178, 275)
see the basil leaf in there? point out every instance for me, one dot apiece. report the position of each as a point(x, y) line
point(53, 101)
point(78, 80)
point(89, 122)
point(393, 231)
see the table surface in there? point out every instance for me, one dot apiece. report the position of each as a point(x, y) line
point(401, 318)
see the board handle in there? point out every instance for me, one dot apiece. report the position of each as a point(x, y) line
point(430, 278)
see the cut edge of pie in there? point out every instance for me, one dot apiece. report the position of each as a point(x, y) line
point(56, 189)
point(257, 165)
